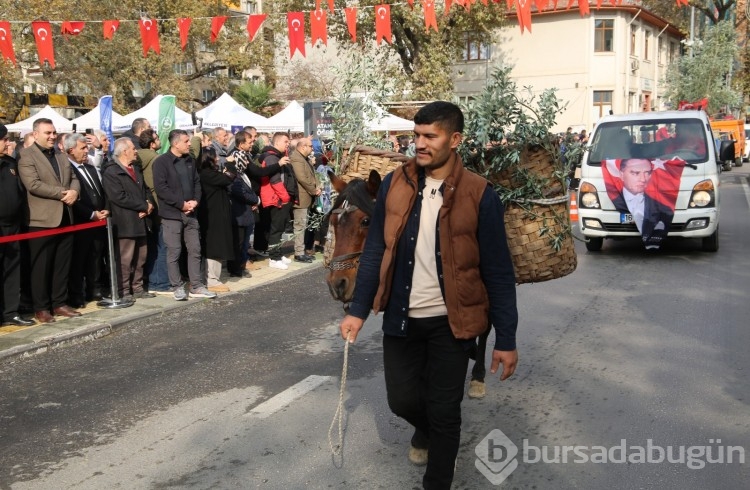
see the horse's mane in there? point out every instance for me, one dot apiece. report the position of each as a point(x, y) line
point(357, 194)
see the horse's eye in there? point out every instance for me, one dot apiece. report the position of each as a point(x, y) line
point(366, 222)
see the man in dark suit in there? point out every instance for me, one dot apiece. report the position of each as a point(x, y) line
point(85, 281)
point(52, 188)
point(12, 203)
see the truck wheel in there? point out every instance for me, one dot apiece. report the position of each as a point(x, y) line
point(738, 162)
point(711, 243)
point(594, 244)
point(727, 166)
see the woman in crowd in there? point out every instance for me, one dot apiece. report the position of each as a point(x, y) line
point(215, 219)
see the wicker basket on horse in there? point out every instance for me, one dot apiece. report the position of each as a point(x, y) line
point(363, 159)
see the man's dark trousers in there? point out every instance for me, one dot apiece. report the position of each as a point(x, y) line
point(10, 265)
point(50, 267)
point(279, 219)
point(425, 374)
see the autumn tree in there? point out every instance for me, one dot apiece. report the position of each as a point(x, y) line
point(423, 56)
point(88, 64)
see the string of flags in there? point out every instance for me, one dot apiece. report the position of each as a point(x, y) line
point(318, 22)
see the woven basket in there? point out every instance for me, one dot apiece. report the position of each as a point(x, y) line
point(534, 257)
point(536, 161)
point(363, 159)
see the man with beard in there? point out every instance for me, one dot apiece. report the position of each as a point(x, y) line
point(436, 261)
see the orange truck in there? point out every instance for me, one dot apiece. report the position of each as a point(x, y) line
point(730, 129)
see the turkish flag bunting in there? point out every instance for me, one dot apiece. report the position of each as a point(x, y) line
point(295, 22)
point(183, 24)
point(253, 24)
point(6, 42)
point(429, 14)
point(383, 23)
point(411, 4)
point(598, 4)
point(447, 10)
point(542, 4)
point(509, 3)
point(43, 38)
point(570, 4)
point(523, 12)
point(351, 22)
point(109, 27)
point(583, 6)
point(216, 24)
point(149, 35)
point(682, 2)
point(72, 28)
point(318, 27)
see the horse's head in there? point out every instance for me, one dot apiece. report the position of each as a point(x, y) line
point(350, 219)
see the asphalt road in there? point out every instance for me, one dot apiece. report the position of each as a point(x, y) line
point(649, 348)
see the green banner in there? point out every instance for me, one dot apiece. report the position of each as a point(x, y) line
point(166, 121)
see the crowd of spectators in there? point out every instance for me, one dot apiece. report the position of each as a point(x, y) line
point(212, 200)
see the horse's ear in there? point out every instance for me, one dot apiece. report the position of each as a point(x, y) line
point(337, 182)
point(373, 183)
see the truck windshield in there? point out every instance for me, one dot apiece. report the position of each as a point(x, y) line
point(665, 139)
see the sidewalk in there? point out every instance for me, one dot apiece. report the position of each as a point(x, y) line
point(19, 342)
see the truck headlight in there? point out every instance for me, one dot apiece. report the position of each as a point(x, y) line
point(587, 197)
point(703, 195)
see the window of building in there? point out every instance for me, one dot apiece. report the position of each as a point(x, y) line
point(602, 103)
point(603, 35)
point(184, 68)
point(632, 40)
point(672, 51)
point(647, 45)
point(208, 95)
point(474, 49)
point(660, 51)
point(204, 47)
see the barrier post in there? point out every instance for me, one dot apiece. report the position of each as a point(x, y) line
point(115, 301)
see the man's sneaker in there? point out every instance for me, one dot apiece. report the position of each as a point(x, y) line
point(277, 264)
point(180, 294)
point(202, 292)
point(303, 258)
point(286, 260)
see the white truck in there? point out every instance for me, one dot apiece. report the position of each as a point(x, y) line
point(677, 141)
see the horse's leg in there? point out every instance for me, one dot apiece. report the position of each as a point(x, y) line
point(476, 385)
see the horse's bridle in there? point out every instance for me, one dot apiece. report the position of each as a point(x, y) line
point(346, 261)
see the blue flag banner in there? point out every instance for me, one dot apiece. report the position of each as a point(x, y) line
point(105, 118)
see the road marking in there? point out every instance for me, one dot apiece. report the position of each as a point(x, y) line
point(273, 405)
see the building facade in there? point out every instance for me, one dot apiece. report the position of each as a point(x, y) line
point(612, 60)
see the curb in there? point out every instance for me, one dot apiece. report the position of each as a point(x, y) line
point(98, 330)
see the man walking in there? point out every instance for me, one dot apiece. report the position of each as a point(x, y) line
point(307, 188)
point(443, 270)
point(52, 188)
point(178, 189)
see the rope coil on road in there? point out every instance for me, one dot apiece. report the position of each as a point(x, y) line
point(340, 408)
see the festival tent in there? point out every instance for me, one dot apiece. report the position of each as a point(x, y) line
point(91, 120)
point(150, 111)
point(62, 125)
point(291, 118)
point(225, 112)
point(386, 121)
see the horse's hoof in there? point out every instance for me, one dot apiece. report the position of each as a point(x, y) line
point(476, 389)
point(417, 456)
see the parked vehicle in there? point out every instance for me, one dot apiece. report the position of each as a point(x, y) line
point(679, 140)
point(733, 129)
point(746, 155)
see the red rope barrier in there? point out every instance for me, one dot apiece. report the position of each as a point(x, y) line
point(52, 231)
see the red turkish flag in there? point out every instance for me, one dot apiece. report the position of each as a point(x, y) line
point(318, 27)
point(583, 6)
point(72, 28)
point(183, 24)
point(253, 24)
point(6, 42)
point(411, 4)
point(429, 15)
point(542, 4)
point(216, 24)
point(295, 22)
point(447, 10)
point(351, 22)
point(43, 37)
point(523, 12)
point(149, 35)
point(383, 23)
point(330, 5)
point(109, 27)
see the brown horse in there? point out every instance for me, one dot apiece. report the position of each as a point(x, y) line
point(350, 221)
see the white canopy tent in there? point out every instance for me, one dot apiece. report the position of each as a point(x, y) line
point(225, 112)
point(62, 125)
point(150, 111)
point(386, 121)
point(291, 118)
point(91, 120)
